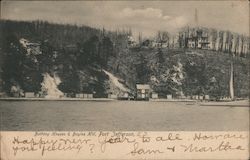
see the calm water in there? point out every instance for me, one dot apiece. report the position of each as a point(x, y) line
point(120, 115)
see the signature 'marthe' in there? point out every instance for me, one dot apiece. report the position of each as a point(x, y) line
point(223, 146)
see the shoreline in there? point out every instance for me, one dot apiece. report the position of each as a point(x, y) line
point(201, 103)
point(239, 103)
point(94, 99)
point(56, 99)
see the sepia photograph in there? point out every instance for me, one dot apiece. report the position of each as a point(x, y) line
point(124, 65)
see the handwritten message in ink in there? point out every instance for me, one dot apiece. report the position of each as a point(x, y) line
point(124, 145)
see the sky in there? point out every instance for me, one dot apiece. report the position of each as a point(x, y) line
point(147, 17)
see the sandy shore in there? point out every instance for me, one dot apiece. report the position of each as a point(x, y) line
point(241, 103)
point(55, 99)
point(172, 100)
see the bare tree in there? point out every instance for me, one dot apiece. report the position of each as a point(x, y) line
point(243, 41)
point(140, 38)
point(213, 34)
point(236, 45)
point(220, 48)
point(229, 41)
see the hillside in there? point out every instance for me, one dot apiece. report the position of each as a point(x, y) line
point(87, 60)
point(180, 71)
point(74, 54)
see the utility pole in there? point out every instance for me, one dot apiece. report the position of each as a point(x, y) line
point(196, 20)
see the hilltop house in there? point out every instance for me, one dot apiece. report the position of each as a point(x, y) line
point(154, 44)
point(198, 39)
point(142, 91)
point(157, 44)
point(131, 41)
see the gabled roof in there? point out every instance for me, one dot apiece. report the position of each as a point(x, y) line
point(142, 86)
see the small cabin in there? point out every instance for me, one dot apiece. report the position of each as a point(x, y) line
point(206, 97)
point(201, 97)
point(123, 96)
point(90, 96)
point(79, 95)
point(69, 95)
point(169, 96)
point(29, 95)
point(87, 96)
point(196, 97)
point(142, 91)
point(112, 96)
point(154, 96)
point(2, 94)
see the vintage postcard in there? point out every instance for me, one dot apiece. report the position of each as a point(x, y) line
point(124, 79)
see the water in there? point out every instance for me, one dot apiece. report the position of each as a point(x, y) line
point(120, 115)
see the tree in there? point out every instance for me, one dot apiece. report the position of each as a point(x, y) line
point(230, 43)
point(236, 46)
point(106, 50)
point(140, 39)
point(220, 40)
point(243, 41)
point(12, 68)
point(46, 58)
point(214, 37)
point(20, 69)
point(91, 49)
point(196, 79)
point(70, 83)
point(142, 70)
point(182, 40)
point(160, 56)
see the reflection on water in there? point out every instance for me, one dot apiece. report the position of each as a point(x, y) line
point(120, 115)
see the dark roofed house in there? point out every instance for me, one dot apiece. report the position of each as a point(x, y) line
point(198, 40)
point(142, 91)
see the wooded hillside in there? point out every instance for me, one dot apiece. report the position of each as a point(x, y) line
point(77, 54)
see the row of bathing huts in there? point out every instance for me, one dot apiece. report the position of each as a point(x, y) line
point(143, 92)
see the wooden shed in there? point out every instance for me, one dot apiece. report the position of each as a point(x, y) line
point(142, 91)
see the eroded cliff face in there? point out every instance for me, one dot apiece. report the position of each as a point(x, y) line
point(50, 86)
